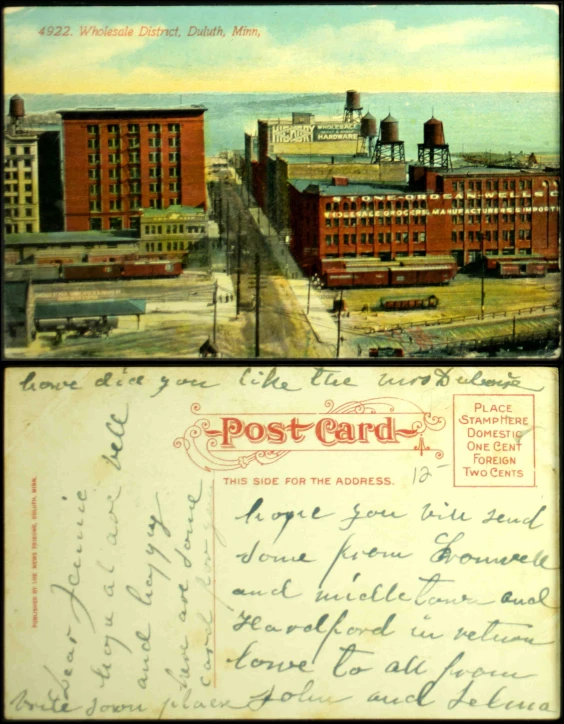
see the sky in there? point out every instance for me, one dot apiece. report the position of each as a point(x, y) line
point(298, 48)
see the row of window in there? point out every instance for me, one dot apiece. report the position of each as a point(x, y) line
point(370, 205)
point(506, 235)
point(379, 220)
point(490, 218)
point(383, 238)
point(490, 203)
point(134, 204)
point(15, 212)
point(13, 175)
point(94, 143)
point(170, 246)
point(133, 157)
point(134, 128)
point(26, 150)
point(134, 188)
point(13, 162)
point(11, 200)
point(173, 229)
point(13, 188)
point(490, 185)
point(13, 228)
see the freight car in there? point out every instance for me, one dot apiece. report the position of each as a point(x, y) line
point(92, 272)
point(412, 302)
point(396, 276)
point(517, 266)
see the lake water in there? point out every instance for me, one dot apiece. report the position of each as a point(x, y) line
point(497, 122)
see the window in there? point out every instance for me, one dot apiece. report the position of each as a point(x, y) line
point(116, 223)
point(29, 212)
point(94, 173)
point(346, 239)
point(134, 172)
point(160, 246)
point(353, 238)
point(380, 238)
point(95, 205)
point(346, 206)
point(154, 157)
point(134, 223)
point(363, 238)
point(27, 187)
point(134, 157)
point(470, 236)
point(336, 222)
point(404, 237)
point(133, 128)
point(92, 130)
point(154, 128)
point(135, 187)
point(133, 142)
point(174, 127)
point(115, 188)
point(27, 163)
point(29, 227)
point(346, 222)
point(93, 158)
point(173, 186)
point(113, 128)
point(327, 221)
point(327, 207)
point(173, 157)
point(27, 174)
point(335, 238)
point(173, 172)
point(155, 187)
point(154, 143)
point(155, 203)
point(113, 142)
point(398, 238)
point(115, 205)
point(154, 172)
point(453, 237)
point(174, 141)
point(113, 158)
point(94, 189)
point(93, 143)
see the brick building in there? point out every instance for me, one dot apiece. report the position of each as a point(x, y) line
point(456, 214)
point(120, 161)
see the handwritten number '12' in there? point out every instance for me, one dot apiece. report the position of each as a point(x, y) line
point(423, 473)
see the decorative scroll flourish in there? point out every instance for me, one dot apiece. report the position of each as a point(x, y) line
point(203, 445)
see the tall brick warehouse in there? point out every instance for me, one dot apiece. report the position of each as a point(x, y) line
point(119, 161)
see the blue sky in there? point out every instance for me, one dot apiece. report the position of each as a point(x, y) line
point(315, 48)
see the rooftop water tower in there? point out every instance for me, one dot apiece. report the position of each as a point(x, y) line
point(17, 112)
point(352, 106)
point(368, 132)
point(388, 146)
point(434, 152)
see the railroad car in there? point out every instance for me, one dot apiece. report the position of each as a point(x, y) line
point(393, 276)
point(424, 301)
point(33, 272)
point(90, 272)
point(152, 269)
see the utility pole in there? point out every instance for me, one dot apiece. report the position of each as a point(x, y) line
point(215, 311)
point(483, 302)
point(238, 289)
point(227, 238)
point(257, 305)
point(308, 295)
point(339, 325)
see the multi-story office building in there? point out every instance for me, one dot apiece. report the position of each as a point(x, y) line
point(118, 162)
point(21, 192)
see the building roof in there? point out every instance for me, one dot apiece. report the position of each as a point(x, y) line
point(85, 112)
point(99, 308)
point(149, 213)
point(329, 158)
point(493, 170)
point(71, 237)
point(366, 188)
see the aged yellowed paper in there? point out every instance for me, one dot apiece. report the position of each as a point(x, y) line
point(292, 542)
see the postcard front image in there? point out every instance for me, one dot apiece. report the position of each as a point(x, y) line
point(311, 202)
point(323, 542)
